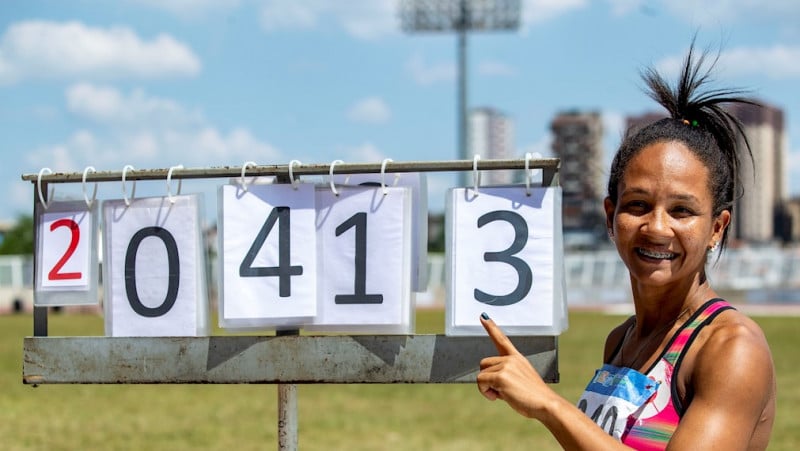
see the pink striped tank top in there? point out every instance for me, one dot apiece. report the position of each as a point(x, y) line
point(643, 410)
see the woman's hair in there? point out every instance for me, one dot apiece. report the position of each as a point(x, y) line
point(696, 120)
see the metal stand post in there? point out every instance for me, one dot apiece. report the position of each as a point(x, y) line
point(287, 409)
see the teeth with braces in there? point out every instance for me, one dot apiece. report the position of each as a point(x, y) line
point(654, 254)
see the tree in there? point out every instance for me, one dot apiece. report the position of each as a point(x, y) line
point(19, 240)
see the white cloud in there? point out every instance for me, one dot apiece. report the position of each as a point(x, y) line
point(776, 62)
point(496, 69)
point(363, 19)
point(108, 105)
point(716, 12)
point(427, 74)
point(622, 7)
point(365, 152)
point(146, 132)
point(539, 11)
point(43, 49)
point(371, 110)
point(190, 8)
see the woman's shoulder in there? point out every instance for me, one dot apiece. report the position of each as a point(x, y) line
point(732, 327)
point(732, 347)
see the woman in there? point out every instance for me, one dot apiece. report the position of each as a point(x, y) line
point(687, 371)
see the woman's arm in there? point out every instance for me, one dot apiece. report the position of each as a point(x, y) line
point(733, 380)
point(510, 377)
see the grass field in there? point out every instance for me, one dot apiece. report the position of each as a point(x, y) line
point(352, 417)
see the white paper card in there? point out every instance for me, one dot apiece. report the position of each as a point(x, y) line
point(364, 251)
point(154, 267)
point(66, 250)
point(267, 256)
point(419, 216)
point(503, 255)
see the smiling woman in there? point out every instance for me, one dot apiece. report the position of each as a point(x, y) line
point(673, 373)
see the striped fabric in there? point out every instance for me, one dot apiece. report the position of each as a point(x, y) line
point(652, 426)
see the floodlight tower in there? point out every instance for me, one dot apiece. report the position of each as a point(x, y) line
point(460, 16)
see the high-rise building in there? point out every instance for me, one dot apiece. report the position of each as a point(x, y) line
point(764, 184)
point(578, 142)
point(491, 135)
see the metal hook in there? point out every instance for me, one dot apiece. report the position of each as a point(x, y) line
point(330, 173)
point(527, 173)
point(169, 183)
point(383, 174)
point(476, 175)
point(291, 173)
point(39, 188)
point(124, 191)
point(94, 193)
point(242, 180)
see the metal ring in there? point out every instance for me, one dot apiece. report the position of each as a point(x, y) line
point(291, 173)
point(125, 191)
point(94, 193)
point(330, 173)
point(528, 173)
point(242, 180)
point(169, 183)
point(39, 187)
point(476, 175)
point(383, 174)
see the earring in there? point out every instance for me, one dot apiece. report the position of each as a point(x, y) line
point(713, 247)
point(610, 234)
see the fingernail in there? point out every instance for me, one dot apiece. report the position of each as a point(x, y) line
point(485, 316)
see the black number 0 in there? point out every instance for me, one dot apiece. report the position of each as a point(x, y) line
point(173, 267)
point(284, 270)
point(525, 277)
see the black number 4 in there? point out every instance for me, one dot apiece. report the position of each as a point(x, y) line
point(284, 270)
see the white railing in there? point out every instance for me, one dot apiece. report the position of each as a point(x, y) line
point(600, 277)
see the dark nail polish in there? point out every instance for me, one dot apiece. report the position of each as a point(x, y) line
point(485, 316)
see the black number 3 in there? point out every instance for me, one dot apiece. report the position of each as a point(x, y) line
point(525, 277)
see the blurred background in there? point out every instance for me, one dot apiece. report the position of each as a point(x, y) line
point(156, 83)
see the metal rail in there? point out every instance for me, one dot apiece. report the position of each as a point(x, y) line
point(549, 165)
point(334, 359)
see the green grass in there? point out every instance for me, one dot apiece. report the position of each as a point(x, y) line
point(352, 417)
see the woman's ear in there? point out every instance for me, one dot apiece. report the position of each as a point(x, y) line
point(721, 222)
point(609, 208)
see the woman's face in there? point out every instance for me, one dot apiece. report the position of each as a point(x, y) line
point(662, 221)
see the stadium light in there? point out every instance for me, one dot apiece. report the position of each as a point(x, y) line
point(461, 17)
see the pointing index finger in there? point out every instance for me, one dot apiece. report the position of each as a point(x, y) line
point(501, 341)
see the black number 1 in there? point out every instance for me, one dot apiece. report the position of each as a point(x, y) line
point(284, 270)
point(360, 296)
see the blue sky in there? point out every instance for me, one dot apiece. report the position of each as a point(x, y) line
point(156, 83)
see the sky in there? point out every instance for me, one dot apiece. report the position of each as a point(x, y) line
point(205, 83)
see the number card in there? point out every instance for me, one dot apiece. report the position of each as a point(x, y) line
point(505, 258)
point(419, 216)
point(154, 267)
point(66, 250)
point(364, 266)
point(268, 256)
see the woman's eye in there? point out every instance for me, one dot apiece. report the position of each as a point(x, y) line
point(682, 211)
point(636, 205)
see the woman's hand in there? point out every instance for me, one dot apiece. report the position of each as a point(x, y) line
point(510, 376)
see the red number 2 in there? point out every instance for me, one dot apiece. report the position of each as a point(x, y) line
point(54, 273)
